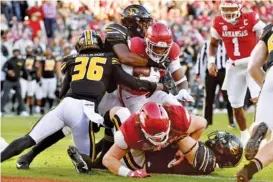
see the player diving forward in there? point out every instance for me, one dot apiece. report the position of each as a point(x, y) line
point(87, 77)
point(238, 31)
point(262, 157)
point(157, 127)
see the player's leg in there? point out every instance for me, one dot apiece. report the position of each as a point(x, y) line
point(263, 120)
point(38, 96)
point(24, 86)
point(47, 125)
point(51, 91)
point(236, 89)
point(30, 94)
point(263, 158)
point(45, 90)
point(25, 160)
point(162, 98)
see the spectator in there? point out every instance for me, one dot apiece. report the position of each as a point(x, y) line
point(34, 24)
point(13, 68)
point(50, 13)
point(23, 42)
point(6, 9)
point(37, 10)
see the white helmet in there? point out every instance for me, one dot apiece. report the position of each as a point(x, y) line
point(231, 10)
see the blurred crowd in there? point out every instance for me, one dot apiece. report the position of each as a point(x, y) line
point(57, 24)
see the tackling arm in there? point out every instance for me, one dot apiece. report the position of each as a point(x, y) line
point(125, 56)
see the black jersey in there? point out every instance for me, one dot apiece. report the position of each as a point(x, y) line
point(116, 34)
point(48, 67)
point(267, 37)
point(89, 76)
point(31, 68)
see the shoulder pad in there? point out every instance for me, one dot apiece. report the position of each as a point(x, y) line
point(136, 45)
point(175, 52)
point(215, 21)
point(116, 34)
point(253, 17)
point(67, 62)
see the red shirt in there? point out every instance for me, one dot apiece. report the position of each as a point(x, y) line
point(240, 38)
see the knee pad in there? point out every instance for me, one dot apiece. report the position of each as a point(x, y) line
point(204, 159)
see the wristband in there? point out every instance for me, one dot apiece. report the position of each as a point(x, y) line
point(211, 59)
point(180, 81)
point(123, 171)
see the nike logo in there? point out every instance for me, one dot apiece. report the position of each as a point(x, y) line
point(241, 27)
point(128, 97)
point(19, 165)
point(221, 23)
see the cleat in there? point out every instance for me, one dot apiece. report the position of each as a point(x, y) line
point(242, 176)
point(77, 160)
point(255, 140)
point(232, 126)
point(23, 162)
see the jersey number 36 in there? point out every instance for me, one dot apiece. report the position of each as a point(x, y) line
point(88, 66)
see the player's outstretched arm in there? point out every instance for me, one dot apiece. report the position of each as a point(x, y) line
point(212, 53)
point(111, 160)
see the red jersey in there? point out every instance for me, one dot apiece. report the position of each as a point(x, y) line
point(239, 38)
point(135, 139)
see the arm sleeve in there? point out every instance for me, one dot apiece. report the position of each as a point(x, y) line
point(124, 78)
point(266, 33)
point(66, 84)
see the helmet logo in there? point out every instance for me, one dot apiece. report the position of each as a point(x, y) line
point(132, 11)
point(234, 148)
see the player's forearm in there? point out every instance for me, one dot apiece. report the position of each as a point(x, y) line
point(258, 75)
point(180, 80)
point(125, 79)
point(213, 47)
point(133, 59)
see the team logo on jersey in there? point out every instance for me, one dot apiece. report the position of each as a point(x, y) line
point(224, 27)
point(235, 33)
point(132, 11)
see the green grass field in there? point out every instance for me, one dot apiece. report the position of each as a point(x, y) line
point(55, 164)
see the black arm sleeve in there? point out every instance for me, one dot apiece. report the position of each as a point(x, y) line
point(267, 32)
point(121, 77)
point(5, 67)
point(65, 85)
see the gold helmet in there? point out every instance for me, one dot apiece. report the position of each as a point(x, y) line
point(90, 40)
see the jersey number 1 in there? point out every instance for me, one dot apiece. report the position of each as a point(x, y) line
point(88, 66)
point(235, 42)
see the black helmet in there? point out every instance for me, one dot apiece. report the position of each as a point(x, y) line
point(227, 148)
point(90, 40)
point(137, 19)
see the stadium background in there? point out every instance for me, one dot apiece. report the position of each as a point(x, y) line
point(23, 23)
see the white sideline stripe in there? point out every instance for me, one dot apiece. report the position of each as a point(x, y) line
point(220, 178)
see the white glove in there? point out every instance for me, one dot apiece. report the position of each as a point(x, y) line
point(184, 95)
point(154, 76)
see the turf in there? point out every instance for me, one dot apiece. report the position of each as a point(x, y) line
point(55, 164)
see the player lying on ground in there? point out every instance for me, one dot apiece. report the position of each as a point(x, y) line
point(238, 30)
point(153, 128)
point(263, 121)
point(87, 77)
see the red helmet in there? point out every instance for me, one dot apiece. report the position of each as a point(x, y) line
point(159, 40)
point(155, 123)
point(231, 10)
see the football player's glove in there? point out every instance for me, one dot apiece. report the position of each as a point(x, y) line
point(184, 95)
point(140, 173)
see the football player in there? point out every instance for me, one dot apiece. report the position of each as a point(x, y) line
point(29, 77)
point(238, 31)
point(154, 128)
point(158, 46)
point(50, 72)
point(262, 157)
point(87, 77)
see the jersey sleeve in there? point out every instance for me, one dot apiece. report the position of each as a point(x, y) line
point(213, 30)
point(258, 25)
point(267, 33)
point(116, 34)
point(175, 52)
point(120, 140)
point(136, 45)
point(180, 118)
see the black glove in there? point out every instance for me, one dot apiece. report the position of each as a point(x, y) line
point(160, 65)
